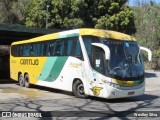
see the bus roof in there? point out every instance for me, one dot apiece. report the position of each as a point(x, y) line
point(82, 31)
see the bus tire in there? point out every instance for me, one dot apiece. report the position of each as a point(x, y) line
point(26, 81)
point(21, 80)
point(78, 89)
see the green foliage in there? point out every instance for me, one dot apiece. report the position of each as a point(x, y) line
point(13, 11)
point(69, 14)
point(36, 14)
point(122, 20)
point(147, 21)
point(72, 23)
point(148, 25)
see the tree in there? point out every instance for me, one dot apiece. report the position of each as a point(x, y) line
point(13, 11)
point(147, 21)
point(148, 24)
point(36, 14)
point(6, 13)
point(119, 17)
point(69, 14)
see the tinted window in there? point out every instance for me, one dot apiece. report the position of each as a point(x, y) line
point(25, 50)
point(14, 51)
point(98, 59)
point(61, 47)
point(69, 46)
point(44, 49)
point(35, 51)
point(58, 51)
point(20, 50)
point(78, 52)
point(73, 48)
point(88, 40)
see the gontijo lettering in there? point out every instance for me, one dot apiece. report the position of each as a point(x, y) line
point(29, 61)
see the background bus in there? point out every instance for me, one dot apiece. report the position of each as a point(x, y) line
point(91, 62)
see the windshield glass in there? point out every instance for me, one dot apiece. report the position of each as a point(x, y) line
point(126, 60)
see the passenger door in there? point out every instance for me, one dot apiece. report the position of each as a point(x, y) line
point(98, 59)
point(98, 71)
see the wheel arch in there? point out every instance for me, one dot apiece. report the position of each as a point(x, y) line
point(84, 83)
point(76, 79)
point(25, 73)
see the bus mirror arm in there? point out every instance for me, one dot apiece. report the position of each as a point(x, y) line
point(148, 51)
point(105, 48)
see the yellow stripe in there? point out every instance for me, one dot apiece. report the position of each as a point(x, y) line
point(75, 66)
point(123, 83)
point(41, 38)
point(84, 31)
point(107, 34)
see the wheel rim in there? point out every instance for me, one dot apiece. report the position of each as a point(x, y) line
point(20, 80)
point(80, 89)
point(26, 81)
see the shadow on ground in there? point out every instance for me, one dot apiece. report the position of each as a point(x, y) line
point(7, 81)
point(150, 75)
point(52, 90)
point(141, 102)
point(144, 97)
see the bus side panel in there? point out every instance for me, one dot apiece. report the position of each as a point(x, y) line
point(14, 68)
point(71, 69)
point(26, 65)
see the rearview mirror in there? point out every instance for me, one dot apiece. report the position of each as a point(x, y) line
point(105, 48)
point(148, 51)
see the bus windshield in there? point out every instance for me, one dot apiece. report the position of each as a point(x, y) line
point(126, 60)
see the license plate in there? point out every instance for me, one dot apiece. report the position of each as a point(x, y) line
point(130, 93)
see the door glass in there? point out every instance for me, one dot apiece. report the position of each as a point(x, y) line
point(98, 59)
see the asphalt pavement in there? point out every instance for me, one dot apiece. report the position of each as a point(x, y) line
point(56, 104)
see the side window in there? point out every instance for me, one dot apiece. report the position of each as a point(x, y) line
point(78, 49)
point(20, 50)
point(87, 43)
point(73, 48)
point(31, 50)
point(62, 48)
point(36, 49)
point(44, 48)
point(57, 48)
point(51, 49)
point(88, 40)
point(14, 51)
point(69, 46)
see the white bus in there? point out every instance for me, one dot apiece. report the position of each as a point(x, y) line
point(92, 62)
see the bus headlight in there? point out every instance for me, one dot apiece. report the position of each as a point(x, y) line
point(113, 85)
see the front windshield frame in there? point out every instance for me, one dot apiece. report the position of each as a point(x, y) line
point(95, 39)
point(128, 59)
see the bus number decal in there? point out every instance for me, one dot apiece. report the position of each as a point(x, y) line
point(96, 90)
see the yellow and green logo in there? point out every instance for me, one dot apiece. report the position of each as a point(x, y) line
point(96, 90)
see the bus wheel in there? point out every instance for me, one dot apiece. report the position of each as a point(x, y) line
point(26, 81)
point(78, 89)
point(21, 80)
